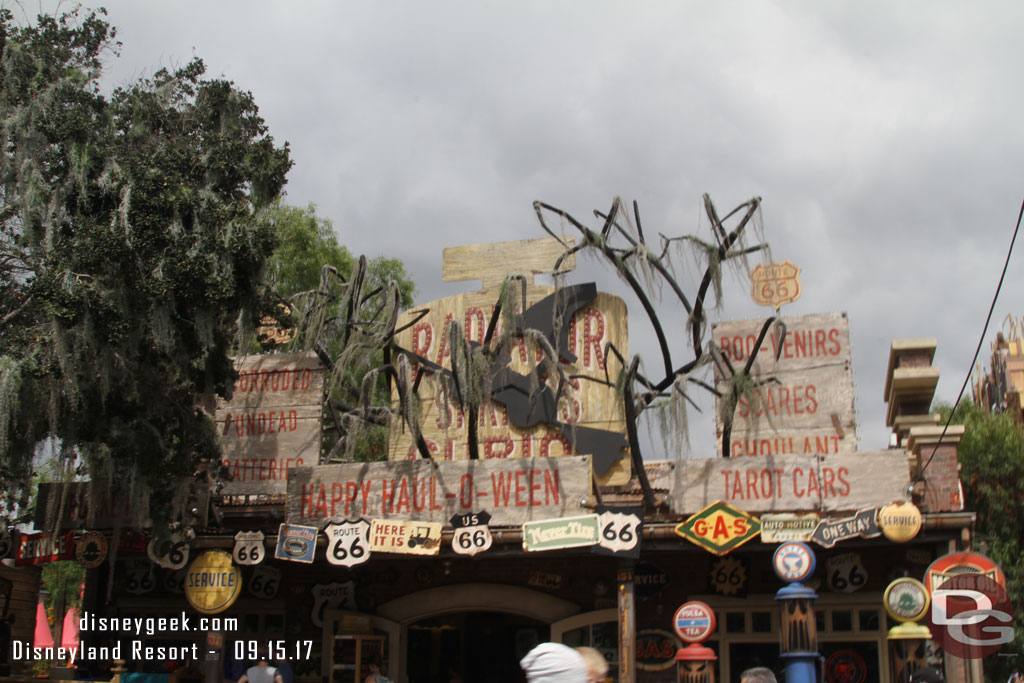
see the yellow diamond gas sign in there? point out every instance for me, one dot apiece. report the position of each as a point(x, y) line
point(719, 528)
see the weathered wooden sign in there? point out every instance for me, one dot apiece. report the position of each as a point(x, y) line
point(272, 422)
point(513, 491)
point(792, 483)
point(593, 320)
point(810, 409)
point(86, 506)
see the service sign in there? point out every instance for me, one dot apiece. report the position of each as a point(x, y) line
point(719, 528)
point(554, 534)
point(405, 537)
point(587, 324)
point(212, 582)
point(348, 543)
point(296, 543)
point(272, 422)
point(900, 521)
point(35, 549)
point(809, 411)
point(792, 483)
point(513, 491)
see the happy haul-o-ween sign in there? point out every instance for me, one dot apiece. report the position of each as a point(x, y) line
point(522, 417)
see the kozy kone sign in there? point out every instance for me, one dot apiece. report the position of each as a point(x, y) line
point(512, 491)
point(809, 410)
point(272, 422)
point(792, 483)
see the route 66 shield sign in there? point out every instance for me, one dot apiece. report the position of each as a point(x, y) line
point(774, 284)
point(470, 540)
point(169, 553)
point(348, 543)
point(249, 547)
point(620, 532)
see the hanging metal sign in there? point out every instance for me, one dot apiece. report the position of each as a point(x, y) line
point(846, 573)
point(91, 549)
point(335, 596)
point(906, 599)
point(861, 525)
point(620, 532)
point(34, 549)
point(212, 582)
point(249, 548)
point(138, 577)
point(694, 621)
point(295, 543)
point(567, 532)
point(348, 543)
point(719, 528)
point(472, 535)
point(899, 522)
point(169, 553)
point(405, 537)
point(774, 284)
point(793, 561)
point(265, 582)
point(728, 576)
point(779, 527)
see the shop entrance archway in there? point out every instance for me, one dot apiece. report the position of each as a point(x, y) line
point(500, 610)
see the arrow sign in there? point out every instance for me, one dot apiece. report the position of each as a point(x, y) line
point(831, 531)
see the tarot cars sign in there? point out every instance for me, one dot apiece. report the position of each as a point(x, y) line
point(522, 419)
point(272, 422)
point(792, 483)
point(809, 411)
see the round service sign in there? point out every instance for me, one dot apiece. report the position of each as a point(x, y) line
point(694, 622)
point(793, 561)
point(212, 582)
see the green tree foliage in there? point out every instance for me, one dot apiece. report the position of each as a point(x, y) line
point(344, 309)
point(133, 245)
point(991, 457)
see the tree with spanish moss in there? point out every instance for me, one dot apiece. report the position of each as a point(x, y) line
point(133, 244)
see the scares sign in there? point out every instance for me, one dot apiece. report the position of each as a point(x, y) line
point(523, 418)
point(809, 411)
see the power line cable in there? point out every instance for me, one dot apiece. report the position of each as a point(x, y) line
point(970, 368)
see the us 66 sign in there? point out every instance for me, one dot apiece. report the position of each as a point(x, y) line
point(472, 535)
point(620, 532)
point(248, 547)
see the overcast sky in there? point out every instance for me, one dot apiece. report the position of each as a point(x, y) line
point(881, 137)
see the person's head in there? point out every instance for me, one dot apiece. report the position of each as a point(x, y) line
point(373, 664)
point(927, 674)
point(758, 674)
point(554, 663)
point(597, 665)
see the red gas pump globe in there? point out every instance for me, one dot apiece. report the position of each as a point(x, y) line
point(694, 622)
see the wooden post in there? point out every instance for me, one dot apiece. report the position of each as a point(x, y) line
point(627, 625)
